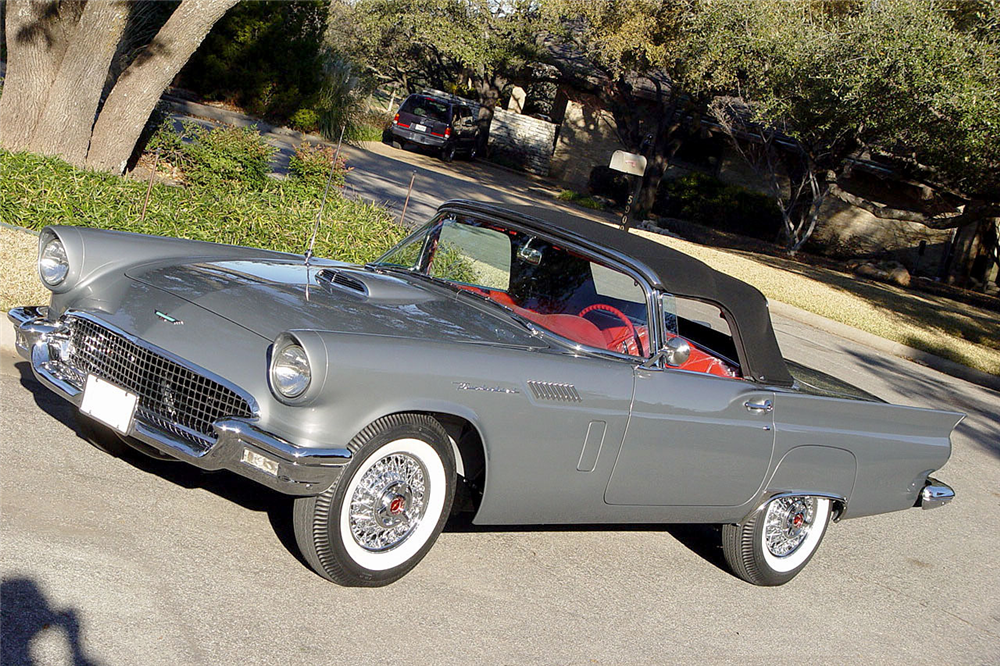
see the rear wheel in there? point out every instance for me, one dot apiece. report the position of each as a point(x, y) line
point(777, 541)
point(389, 506)
point(448, 152)
point(397, 144)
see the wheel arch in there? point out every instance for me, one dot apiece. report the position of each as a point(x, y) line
point(468, 444)
point(816, 471)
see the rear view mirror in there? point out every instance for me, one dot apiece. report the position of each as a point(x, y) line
point(674, 353)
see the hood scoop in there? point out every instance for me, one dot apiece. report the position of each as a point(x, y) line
point(340, 279)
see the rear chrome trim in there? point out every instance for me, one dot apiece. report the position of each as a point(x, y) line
point(935, 494)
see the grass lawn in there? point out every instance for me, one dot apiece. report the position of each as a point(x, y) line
point(947, 328)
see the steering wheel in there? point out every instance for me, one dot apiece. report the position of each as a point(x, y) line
point(621, 315)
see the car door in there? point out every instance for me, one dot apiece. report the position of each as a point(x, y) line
point(697, 435)
point(693, 439)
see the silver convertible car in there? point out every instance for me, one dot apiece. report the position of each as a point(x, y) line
point(538, 367)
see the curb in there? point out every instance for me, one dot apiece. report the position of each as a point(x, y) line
point(932, 361)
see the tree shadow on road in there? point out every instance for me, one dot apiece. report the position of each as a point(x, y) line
point(26, 614)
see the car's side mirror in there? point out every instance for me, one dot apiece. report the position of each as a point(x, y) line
point(675, 354)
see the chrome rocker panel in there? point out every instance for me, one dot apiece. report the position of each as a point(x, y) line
point(291, 469)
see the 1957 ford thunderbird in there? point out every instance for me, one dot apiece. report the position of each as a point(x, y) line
point(549, 369)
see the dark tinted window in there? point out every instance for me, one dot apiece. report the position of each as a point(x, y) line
point(426, 107)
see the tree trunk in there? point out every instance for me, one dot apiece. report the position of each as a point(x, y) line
point(37, 35)
point(970, 253)
point(134, 96)
point(67, 118)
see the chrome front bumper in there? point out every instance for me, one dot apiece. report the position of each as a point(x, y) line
point(240, 447)
point(934, 494)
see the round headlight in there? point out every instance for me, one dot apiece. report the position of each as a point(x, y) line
point(290, 373)
point(53, 265)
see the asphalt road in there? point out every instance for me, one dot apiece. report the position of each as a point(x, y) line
point(133, 561)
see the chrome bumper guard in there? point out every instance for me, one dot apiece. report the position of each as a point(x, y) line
point(241, 446)
point(935, 494)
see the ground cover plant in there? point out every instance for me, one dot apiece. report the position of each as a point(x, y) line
point(39, 191)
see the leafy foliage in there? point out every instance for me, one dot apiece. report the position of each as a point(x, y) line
point(708, 201)
point(311, 166)
point(440, 43)
point(223, 156)
point(39, 191)
point(265, 56)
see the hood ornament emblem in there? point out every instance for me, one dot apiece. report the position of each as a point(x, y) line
point(167, 318)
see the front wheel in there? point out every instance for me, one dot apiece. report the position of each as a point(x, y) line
point(389, 506)
point(777, 541)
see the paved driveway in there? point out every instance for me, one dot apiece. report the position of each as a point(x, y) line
point(113, 561)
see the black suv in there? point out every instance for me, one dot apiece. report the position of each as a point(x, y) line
point(443, 123)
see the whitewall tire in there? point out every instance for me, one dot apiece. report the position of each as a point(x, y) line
point(389, 506)
point(777, 541)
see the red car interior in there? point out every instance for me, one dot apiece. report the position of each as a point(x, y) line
point(614, 338)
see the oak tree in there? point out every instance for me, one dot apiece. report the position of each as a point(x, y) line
point(64, 94)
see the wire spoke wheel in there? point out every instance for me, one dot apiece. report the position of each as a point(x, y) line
point(389, 506)
point(777, 540)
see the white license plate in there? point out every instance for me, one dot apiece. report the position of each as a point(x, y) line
point(420, 128)
point(108, 404)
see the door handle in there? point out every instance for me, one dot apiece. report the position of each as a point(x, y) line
point(759, 407)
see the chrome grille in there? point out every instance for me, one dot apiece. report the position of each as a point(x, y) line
point(172, 397)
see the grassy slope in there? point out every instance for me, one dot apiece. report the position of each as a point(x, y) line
point(953, 330)
point(37, 191)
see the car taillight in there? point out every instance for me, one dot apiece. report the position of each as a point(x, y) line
point(447, 132)
point(395, 120)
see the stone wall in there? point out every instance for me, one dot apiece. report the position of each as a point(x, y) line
point(521, 141)
point(587, 139)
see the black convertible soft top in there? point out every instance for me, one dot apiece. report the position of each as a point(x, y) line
point(668, 270)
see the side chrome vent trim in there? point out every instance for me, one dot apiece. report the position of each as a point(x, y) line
point(552, 391)
point(343, 280)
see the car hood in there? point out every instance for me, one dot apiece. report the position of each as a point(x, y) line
point(269, 296)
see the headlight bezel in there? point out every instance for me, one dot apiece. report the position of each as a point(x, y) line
point(288, 354)
point(52, 256)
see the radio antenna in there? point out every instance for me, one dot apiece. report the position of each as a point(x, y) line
point(326, 191)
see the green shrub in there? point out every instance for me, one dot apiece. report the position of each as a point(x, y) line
point(580, 199)
point(266, 57)
point(311, 165)
point(226, 155)
point(38, 191)
point(705, 200)
point(304, 120)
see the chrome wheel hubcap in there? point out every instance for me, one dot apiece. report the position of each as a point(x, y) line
point(389, 502)
point(787, 523)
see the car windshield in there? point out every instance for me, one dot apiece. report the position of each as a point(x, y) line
point(563, 291)
point(426, 107)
